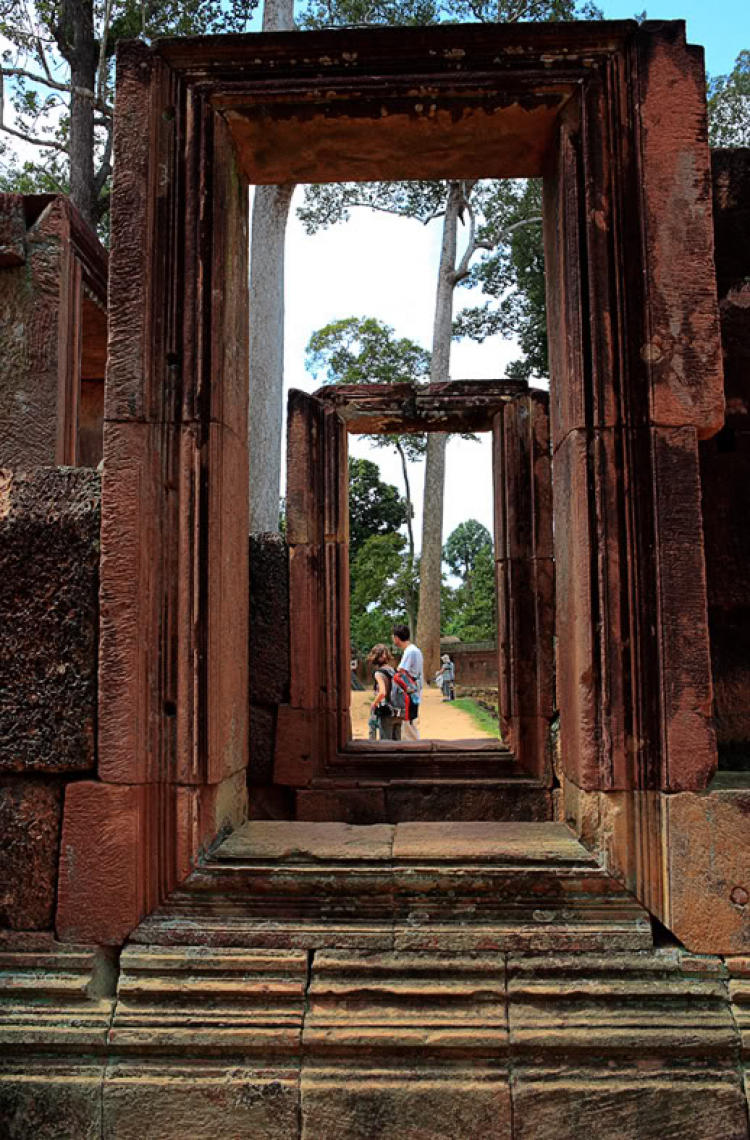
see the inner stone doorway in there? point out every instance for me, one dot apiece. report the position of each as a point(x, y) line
point(336, 777)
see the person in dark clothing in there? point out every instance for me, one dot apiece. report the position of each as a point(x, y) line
point(382, 721)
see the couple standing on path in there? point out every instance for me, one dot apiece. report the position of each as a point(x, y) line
point(411, 662)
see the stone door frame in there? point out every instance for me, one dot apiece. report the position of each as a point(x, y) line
point(613, 116)
point(314, 745)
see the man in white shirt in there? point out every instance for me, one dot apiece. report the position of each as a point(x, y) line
point(412, 662)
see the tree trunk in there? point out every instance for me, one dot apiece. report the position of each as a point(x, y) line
point(78, 21)
point(431, 566)
point(407, 489)
point(266, 411)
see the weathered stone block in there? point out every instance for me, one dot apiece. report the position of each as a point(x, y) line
point(49, 576)
point(50, 1100)
point(30, 813)
point(297, 745)
point(649, 1101)
point(682, 359)
point(262, 742)
point(269, 619)
point(202, 1101)
point(405, 1101)
point(349, 805)
point(435, 803)
point(53, 329)
point(104, 876)
point(707, 868)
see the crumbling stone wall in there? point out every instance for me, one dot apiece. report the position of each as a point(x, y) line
point(53, 333)
point(49, 578)
point(476, 662)
point(725, 467)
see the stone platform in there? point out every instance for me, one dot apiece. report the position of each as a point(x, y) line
point(412, 886)
point(416, 982)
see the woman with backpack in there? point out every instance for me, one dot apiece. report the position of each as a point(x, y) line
point(382, 720)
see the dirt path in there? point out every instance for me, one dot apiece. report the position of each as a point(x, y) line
point(437, 721)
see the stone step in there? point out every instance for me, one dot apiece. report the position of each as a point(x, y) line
point(413, 886)
point(519, 799)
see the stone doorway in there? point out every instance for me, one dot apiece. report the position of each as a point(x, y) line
point(315, 753)
point(636, 382)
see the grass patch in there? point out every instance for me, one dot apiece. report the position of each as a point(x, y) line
point(481, 718)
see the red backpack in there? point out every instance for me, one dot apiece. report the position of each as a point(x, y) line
point(403, 688)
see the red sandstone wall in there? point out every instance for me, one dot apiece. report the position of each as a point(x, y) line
point(725, 467)
point(49, 577)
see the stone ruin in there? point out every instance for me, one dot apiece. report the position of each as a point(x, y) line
point(219, 916)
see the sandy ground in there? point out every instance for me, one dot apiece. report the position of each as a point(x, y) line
point(437, 721)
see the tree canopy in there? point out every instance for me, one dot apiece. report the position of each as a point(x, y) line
point(58, 62)
point(729, 105)
point(363, 350)
point(472, 612)
point(375, 507)
point(382, 584)
point(463, 547)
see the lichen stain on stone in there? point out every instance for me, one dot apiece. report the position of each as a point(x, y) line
point(651, 353)
point(6, 482)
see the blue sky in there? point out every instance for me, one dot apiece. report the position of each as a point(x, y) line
point(723, 27)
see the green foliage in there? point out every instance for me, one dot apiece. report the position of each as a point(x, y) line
point(381, 585)
point(338, 13)
point(330, 203)
point(363, 350)
point(480, 716)
point(473, 616)
point(375, 507)
point(463, 547)
point(511, 275)
point(52, 40)
point(330, 13)
point(729, 105)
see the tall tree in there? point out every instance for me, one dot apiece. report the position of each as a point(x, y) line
point(454, 202)
point(511, 276)
point(464, 546)
point(58, 63)
point(266, 364)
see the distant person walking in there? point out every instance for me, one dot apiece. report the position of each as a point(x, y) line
point(448, 675)
point(412, 663)
point(356, 683)
point(383, 725)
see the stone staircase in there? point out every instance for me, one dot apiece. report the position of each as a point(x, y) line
point(410, 982)
point(413, 886)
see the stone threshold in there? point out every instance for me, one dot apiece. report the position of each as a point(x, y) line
point(411, 886)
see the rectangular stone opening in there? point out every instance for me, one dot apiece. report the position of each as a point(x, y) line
point(635, 382)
